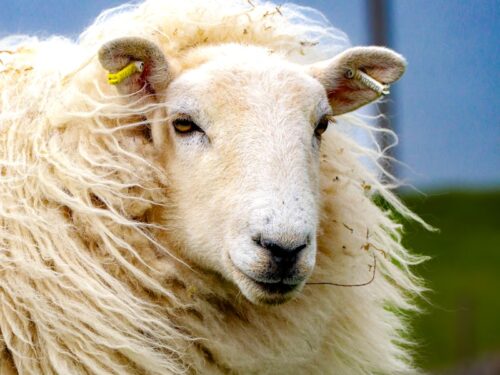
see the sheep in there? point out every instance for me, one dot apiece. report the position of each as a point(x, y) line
point(172, 201)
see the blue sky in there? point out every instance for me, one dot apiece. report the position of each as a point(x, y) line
point(447, 104)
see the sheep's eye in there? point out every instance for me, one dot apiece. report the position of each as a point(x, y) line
point(185, 126)
point(321, 126)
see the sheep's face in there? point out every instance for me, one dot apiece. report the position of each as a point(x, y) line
point(244, 135)
point(246, 131)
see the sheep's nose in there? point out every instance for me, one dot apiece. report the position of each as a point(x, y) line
point(283, 255)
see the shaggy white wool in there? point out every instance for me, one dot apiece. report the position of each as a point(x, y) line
point(88, 283)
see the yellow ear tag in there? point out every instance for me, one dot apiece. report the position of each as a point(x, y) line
point(118, 77)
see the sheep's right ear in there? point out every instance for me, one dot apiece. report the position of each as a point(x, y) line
point(358, 76)
point(138, 68)
point(135, 64)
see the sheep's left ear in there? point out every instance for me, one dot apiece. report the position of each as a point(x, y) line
point(138, 69)
point(358, 76)
point(134, 64)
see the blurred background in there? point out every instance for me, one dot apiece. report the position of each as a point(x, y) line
point(446, 111)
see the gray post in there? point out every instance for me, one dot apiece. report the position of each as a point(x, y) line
point(378, 14)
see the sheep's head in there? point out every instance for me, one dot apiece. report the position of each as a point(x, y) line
point(242, 145)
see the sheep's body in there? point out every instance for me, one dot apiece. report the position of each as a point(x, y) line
point(91, 279)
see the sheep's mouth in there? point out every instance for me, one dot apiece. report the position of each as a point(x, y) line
point(272, 291)
point(276, 288)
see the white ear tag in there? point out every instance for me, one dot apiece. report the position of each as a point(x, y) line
point(368, 81)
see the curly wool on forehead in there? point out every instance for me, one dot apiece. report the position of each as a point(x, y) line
point(228, 54)
point(231, 60)
point(301, 33)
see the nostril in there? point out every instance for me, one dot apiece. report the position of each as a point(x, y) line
point(279, 251)
point(274, 248)
point(299, 248)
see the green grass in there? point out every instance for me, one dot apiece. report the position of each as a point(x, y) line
point(463, 319)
